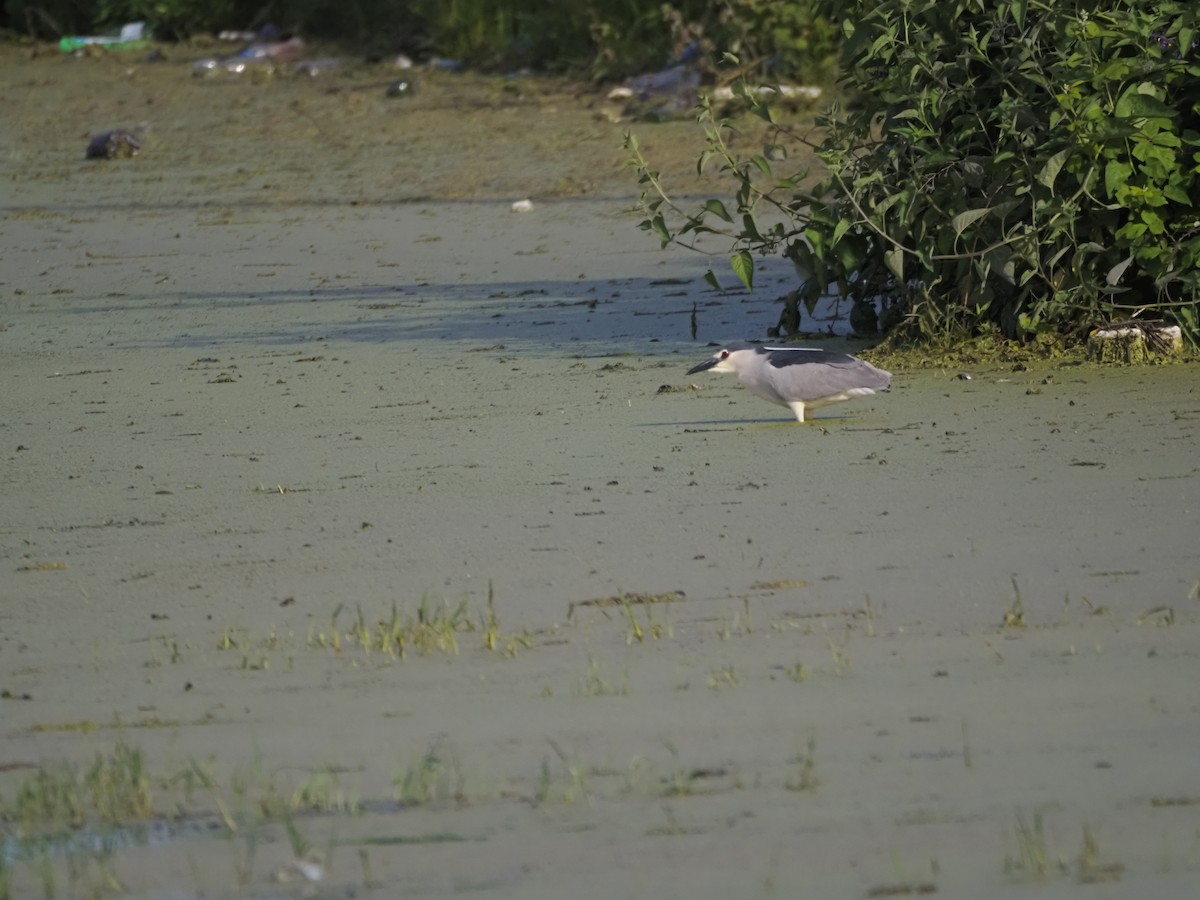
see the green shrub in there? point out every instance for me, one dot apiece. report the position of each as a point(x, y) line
point(784, 40)
point(1022, 165)
point(169, 18)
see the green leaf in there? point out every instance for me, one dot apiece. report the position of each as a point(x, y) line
point(1178, 194)
point(802, 260)
point(1003, 208)
point(659, 225)
point(1052, 167)
point(742, 264)
point(1115, 273)
point(1115, 70)
point(763, 166)
point(840, 231)
point(888, 202)
point(1002, 263)
point(763, 111)
point(1018, 8)
point(1136, 105)
point(816, 241)
point(1153, 221)
point(717, 208)
point(750, 230)
point(712, 281)
point(965, 220)
point(1116, 175)
point(851, 253)
point(894, 260)
point(1109, 129)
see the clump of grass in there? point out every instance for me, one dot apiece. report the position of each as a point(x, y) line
point(841, 659)
point(493, 640)
point(740, 625)
point(654, 629)
point(1089, 868)
point(170, 646)
point(239, 640)
point(112, 790)
point(195, 777)
point(724, 677)
point(434, 776)
point(569, 786)
point(1032, 858)
point(432, 628)
point(805, 777)
point(1015, 616)
point(322, 791)
point(90, 869)
point(60, 799)
point(597, 684)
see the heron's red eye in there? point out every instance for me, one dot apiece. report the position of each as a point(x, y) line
point(724, 354)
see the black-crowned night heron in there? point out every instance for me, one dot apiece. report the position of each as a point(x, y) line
point(799, 378)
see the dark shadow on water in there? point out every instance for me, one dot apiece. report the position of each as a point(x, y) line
point(619, 204)
point(557, 313)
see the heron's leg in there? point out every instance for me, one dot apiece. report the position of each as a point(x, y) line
point(797, 406)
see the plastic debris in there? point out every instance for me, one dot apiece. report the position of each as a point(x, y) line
point(315, 67)
point(113, 145)
point(786, 91)
point(281, 50)
point(264, 60)
point(660, 95)
point(131, 37)
point(1134, 342)
point(522, 206)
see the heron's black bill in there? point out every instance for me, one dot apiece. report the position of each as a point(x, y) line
point(704, 366)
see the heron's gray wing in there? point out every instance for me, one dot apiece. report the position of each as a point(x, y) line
point(781, 358)
point(810, 375)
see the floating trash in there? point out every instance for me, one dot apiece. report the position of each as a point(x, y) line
point(131, 37)
point(657, 96)
point(522, 206)
point(402, 88)
point(1134, 342)
point(281, 50)
point(315, 67)
point(300, 870)
point(113, 145)
point(785, 91)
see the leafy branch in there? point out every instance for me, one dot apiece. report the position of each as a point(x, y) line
point(1017, 165)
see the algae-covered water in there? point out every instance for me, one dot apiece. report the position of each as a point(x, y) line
point(340, 493)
